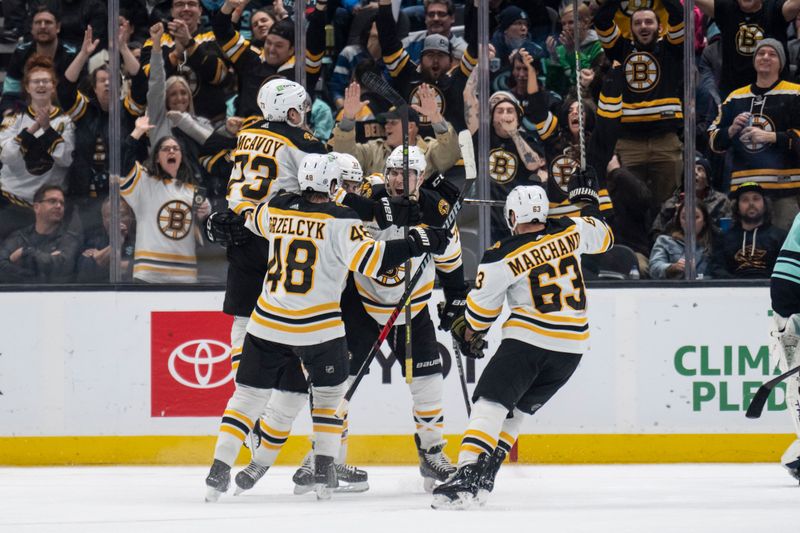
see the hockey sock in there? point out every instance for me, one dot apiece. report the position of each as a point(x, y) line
point(484, 427)
point(327, 426)
point(342, 457)
point(237, 420)
point(238, 331)
point(276, 425)
point(426, 393)
point(510, 430)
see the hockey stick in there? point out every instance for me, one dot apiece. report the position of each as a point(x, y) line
point(576, 43)
point(763, 392)
point(478, 201)
point(405, 299)
point(462, 377)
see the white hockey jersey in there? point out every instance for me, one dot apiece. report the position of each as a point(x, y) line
point(312, 249)
point(165, 238)
point(540, 274)
point(381, 295)
point(27, 167)
point(267, 159)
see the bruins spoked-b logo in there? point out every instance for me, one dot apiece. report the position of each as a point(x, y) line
point(562, 169)
point(763, 122)
point(502, 165)
point(392, 277)
point(641, 71)
point(747, 37)
point(175, 219)
point(630, 6)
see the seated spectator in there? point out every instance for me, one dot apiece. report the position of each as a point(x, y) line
point(44, 31)
point(93, 262)
point(750, 247)
point(560, 68)
point(715, 202)
point(758, 126)
point(163, 198)
point(260, 20)
point(631, 198)
point(44, 252)
point(35, 146)
point(512, 34)
point(441, 153)
point(668, 257)
point(440, 16)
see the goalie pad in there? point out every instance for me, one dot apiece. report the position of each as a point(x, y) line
point(786, 337)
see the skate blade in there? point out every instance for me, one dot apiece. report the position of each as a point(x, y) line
point(238, 490)
point(429, 483)
point(323, 491)
point(482, 497)
point(302, 489)
point(212, 495)
point(362, 486)
point(463, 501)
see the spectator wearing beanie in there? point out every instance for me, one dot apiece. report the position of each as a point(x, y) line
point(512, 34)
point(758, 124)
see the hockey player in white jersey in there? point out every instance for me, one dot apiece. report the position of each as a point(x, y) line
point(538, 271)
point(313, 244)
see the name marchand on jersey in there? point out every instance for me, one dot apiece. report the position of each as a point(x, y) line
point(312, 248)
point(267, 159)
point(540, 275)
point(165, 247)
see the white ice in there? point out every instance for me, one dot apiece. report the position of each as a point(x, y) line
point(722, 498)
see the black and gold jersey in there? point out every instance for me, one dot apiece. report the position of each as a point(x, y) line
point(540, 276)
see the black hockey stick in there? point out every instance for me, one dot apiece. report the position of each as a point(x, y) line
point(404, 300)
point(763, 392)
point(462, 377)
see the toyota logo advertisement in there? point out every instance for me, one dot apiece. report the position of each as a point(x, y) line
point(190, 363)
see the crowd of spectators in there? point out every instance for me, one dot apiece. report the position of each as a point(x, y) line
point(191, 70)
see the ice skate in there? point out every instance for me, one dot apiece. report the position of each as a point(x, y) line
point(793, 467)
point(304, 476)
point(486, 481)
point(324, 476)
point(459, 491)
point(217, 481)
point(249, 476)
point(351, 479)
point(433, 465)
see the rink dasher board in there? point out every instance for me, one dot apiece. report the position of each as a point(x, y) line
point(142, 378)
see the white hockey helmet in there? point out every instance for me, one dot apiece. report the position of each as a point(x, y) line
point(319, 173)
point(350, 167)
point(278, 96)
point(529, 203)
point(416, 160)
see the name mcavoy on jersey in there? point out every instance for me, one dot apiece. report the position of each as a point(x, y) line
point(544, 253)
point(297, 226)
point(256, 142)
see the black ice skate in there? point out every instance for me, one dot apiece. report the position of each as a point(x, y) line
point(794, 468)
point(249, 476)
point(324, 476)
point(459, 491)
point(351, 479)
point(486, 481)
point(217, 481)
point(433, 464)
point(304, 476)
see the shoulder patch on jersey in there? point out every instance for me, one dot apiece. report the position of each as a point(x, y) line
point(501, 248)
point(299, 137)
point(443, 206)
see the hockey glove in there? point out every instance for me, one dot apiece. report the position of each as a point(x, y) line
point(398, 211)
point(450, 310)
point(226, 228)
point(427, 240)
point(583, 186)
point(444, 187)
point(475, 345)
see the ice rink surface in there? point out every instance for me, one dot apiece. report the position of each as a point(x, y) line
point(718, 498)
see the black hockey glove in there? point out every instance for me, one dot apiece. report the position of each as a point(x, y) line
point(475, 345)
point(444, 187)
point(397, 211)
point(583, 186)
point(428, 240)
point(450, 310)
point(226, 228)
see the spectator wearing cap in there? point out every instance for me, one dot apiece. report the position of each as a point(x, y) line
point(512, 34)
point(751, 246)
point(716, 203)
point(560, 67)
point(441, 152)
point(45, 29)
point(439, 19)
point(742, 24)
point(253, 66)
point(758, 124)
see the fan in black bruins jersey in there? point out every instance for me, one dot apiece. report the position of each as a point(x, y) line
point(538, 270)
point(314, 243)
